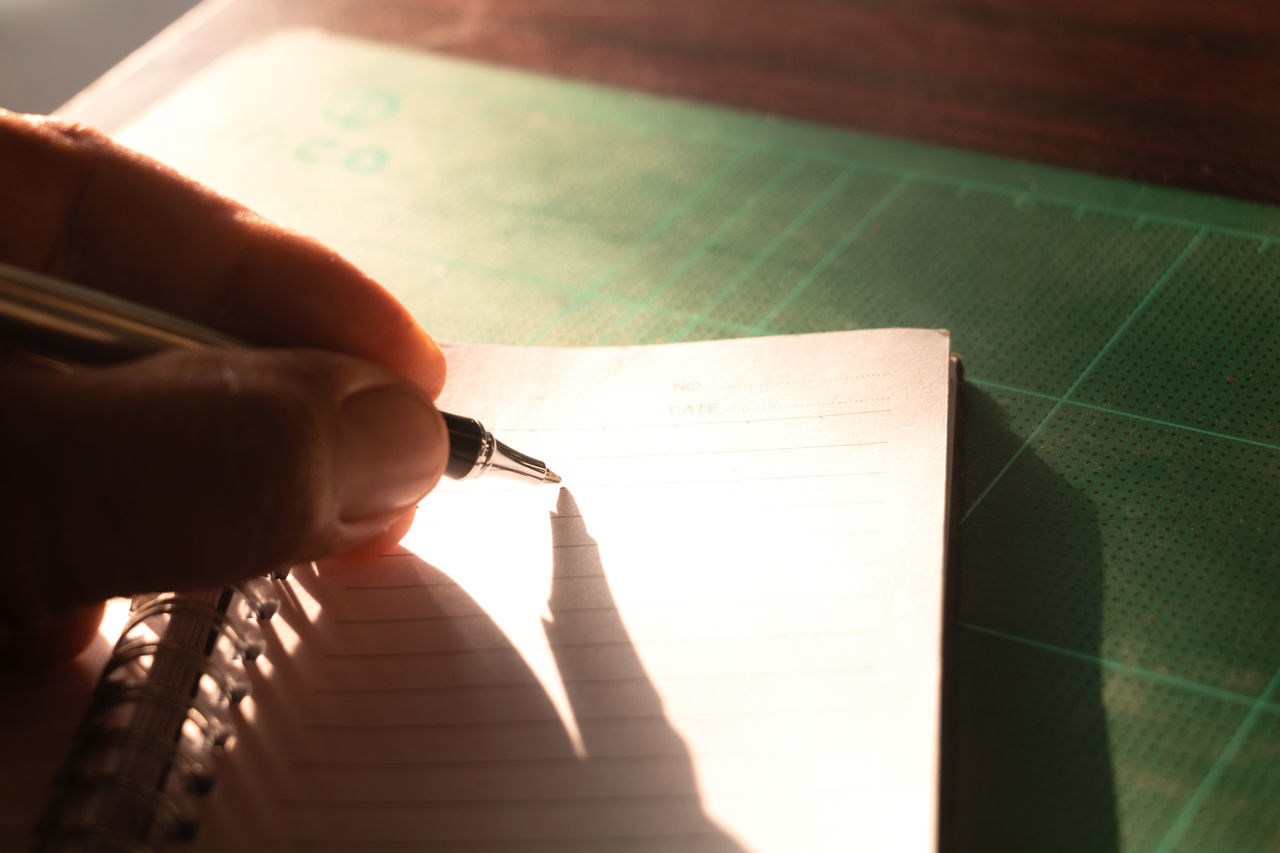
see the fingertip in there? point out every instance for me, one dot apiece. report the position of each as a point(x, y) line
point(399, 528)
point(391, 450)
point(383, 541)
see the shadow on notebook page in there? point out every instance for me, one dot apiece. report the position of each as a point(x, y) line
point(630, 748)
point(417, 724)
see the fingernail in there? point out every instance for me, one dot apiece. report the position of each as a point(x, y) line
point(388, 451)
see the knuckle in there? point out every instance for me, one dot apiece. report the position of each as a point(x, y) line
point(71, 132)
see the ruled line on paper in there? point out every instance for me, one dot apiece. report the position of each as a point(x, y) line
point(626, 427)
point(541, 802)
point(852, 598)
point(487, 763)
point(387, 804)
point(749, 508)
point(654, 757)
point(605, 644)
point(731, 713)
point(736, 568)
point(764, 537)
point(700, 678)
point(436, 578)
point(586, 842)
point(759, 537)
point(583, 485)
point(684, 511)
point(622, 679)
point(719, 481)
point(715, 451)
point(465, 763)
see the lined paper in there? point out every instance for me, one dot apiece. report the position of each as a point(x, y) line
point(722, 634)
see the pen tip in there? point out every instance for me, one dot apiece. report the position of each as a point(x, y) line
point(551, 477)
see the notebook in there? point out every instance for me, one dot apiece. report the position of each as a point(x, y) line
point(722, 633)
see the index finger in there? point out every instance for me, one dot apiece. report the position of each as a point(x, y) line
point(80, 207)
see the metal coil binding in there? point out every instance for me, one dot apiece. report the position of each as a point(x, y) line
point(246, 646)
point(115, 694)
point(160, 715)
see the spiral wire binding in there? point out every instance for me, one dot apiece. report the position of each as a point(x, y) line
point(146, 750)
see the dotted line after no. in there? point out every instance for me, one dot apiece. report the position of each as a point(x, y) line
point(745, 386)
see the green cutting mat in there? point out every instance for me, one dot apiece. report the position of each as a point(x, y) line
point(1117, 651)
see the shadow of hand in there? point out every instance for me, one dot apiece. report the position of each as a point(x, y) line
point(1030, 763)
point(412, 720)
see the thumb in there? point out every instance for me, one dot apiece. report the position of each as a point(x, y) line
point(194, 468)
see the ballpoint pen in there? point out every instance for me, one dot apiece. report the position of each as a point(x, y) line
point(73, 324)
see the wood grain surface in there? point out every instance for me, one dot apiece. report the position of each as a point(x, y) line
point(1176, 92)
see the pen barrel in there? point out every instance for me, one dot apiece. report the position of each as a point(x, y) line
point(74, 324)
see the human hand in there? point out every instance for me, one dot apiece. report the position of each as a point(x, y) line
point(193, 468)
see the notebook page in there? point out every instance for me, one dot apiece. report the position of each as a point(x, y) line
point(722, 634)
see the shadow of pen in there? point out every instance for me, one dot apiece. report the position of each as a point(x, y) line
point(630, 750)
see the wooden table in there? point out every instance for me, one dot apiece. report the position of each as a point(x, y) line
point(1173, 92)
